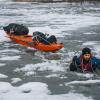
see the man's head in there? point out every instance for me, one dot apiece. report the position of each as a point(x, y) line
point(86, 52)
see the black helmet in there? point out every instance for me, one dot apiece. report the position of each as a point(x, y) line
point(86, 51)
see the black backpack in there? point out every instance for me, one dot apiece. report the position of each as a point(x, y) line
point(16, 29)
point(39, 36)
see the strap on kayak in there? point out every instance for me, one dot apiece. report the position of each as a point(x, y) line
point(41, 38)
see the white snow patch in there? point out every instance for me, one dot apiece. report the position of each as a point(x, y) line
point(30, 73)
point(3, 36)
point(56, 75)
point(83, 82)
point(90, 43)
point(53, 66)
point(15, 80)
point(10, 58)
point(1, 64)
point(87, 75)
point(34, 90)
point(3, 76)
point(89, 33)
point(52, 75)
point(5, 87)
point(9, 50)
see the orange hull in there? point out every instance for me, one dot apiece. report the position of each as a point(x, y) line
point(28, 42)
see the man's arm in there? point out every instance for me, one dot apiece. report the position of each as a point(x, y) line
point(97, 62)
point(73, 66)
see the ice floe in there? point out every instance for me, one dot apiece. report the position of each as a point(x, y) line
point(2, 64)
point(34, 90)
point(89, 33)
point(10, 58)
point(84, 82)
point(90, 43)
point(3, 76)
point(9, 51)
point(15, 80)
point(30, 69)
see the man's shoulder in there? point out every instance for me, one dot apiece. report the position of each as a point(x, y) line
point(95, 58)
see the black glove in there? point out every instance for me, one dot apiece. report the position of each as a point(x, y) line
point(72, 67)
point(74, 59)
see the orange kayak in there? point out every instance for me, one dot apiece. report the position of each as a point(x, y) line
point(27, 41)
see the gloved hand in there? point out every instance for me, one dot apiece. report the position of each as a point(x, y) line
point(74, 59)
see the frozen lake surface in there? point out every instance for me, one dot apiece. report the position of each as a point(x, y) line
point(29, 74)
